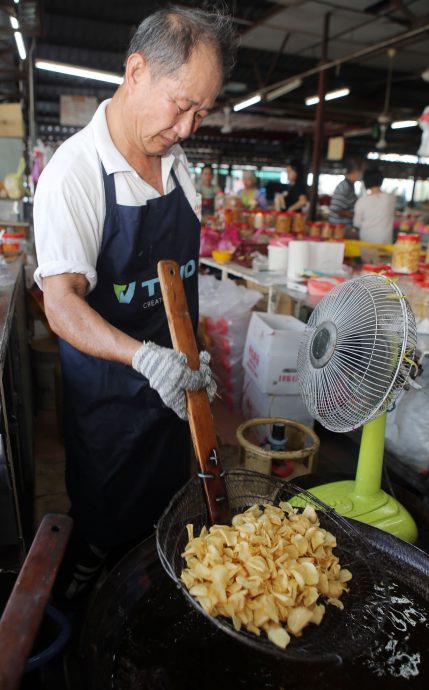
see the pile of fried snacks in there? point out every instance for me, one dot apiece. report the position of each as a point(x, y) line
point(267, 571)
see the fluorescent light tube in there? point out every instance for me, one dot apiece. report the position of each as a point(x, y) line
point(401, 124)
point(20, 45)
point(398, 158)
point(338, 93)
point(282, 90)
point(75, 71)
point(312, 100)
point(14, 22)
point(247, 102)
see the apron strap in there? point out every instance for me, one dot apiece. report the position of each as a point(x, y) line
point(109, 189)
point(174, 176)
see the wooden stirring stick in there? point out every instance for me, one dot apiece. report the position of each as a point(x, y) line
point(199, 412)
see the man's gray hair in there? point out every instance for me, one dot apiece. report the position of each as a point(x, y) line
point(168, 37)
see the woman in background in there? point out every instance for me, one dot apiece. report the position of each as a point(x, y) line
point(208, 190)
point(295, 198)
point(252, 197)
point(374, 211)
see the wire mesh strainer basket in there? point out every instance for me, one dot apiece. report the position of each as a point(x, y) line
point(341, 633)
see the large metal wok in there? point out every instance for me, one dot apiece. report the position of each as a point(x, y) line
point(142, 634)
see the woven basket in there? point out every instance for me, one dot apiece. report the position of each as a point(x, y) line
point(303, 445)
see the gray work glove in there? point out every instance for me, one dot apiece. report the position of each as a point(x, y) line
point(169, 374)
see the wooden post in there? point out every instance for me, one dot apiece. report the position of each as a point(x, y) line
point(318, 126)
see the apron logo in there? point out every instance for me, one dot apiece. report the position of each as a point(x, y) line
point(186, 271)
point(124, 293)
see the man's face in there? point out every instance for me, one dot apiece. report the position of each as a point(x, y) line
point(165, 110)
point(355, 175)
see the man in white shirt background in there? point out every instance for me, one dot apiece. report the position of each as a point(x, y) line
point(374, 210)
point(114, 200)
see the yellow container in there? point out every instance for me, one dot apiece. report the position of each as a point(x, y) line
point(352, 248)
point(222, 256)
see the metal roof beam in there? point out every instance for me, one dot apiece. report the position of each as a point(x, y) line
point(364, 52)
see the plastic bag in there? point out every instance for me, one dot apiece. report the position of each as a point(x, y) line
point(224, 299)
point(208, 241)
point(226, 311)
point(407, 426)
point(230, 238)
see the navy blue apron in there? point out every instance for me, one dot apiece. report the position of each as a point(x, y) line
point(126, 453)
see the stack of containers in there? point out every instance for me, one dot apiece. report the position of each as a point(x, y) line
point(271, 387)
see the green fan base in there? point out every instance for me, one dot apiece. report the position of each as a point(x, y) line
point(379, 509)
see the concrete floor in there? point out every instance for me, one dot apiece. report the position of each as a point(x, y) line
point(50, 491)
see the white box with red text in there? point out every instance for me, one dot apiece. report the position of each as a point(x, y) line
point(271, 351)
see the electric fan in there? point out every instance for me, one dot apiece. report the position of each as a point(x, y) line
point(354, 359)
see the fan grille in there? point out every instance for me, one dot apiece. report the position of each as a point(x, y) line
point(356, 352)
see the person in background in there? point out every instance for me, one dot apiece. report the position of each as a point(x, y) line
point(424, 208)
point(208, 190)
point(374, 211)
point(296, 196)
point(343, 200)
point(115, 199)
point(252, 197)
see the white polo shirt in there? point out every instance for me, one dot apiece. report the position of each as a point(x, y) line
point(69, 204)
point(374, 215)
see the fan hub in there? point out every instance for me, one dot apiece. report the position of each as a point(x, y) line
point(323, 344)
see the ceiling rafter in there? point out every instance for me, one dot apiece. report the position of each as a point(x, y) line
point(78, 31)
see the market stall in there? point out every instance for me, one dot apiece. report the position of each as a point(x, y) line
point(214, 245)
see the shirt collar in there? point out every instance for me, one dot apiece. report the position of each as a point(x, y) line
point(112, 159)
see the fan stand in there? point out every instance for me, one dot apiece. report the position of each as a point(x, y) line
point(363, 498)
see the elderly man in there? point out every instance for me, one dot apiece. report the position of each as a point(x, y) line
point(344, 197)
point(114, 200)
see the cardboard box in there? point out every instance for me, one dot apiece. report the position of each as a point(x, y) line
point(271, 351)
point(11, 120)
point(256, 404)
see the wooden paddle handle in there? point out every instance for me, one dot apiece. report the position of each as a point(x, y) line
point(24, 611)
point(199, 412)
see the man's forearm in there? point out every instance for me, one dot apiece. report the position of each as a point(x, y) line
point(72, 319)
